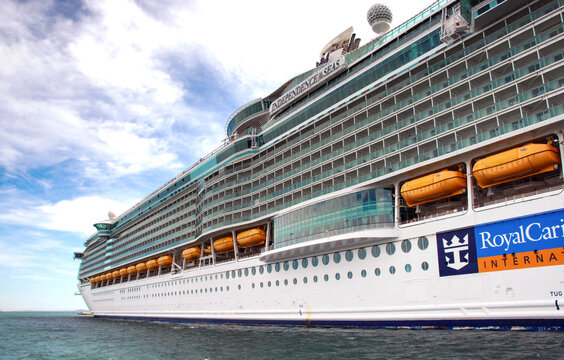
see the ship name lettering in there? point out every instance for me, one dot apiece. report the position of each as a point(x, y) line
point(556, 293)
point(533, 232)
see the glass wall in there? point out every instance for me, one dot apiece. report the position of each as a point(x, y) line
point(363, 210)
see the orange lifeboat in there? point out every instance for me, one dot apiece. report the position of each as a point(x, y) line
point(141, 267)
point(131, 270)
point(252, 237)
point(115, 274)
point(515, 164)
point(165, 260)
point(92, 280)
point(123, 272)
point(152, 264)
point(192, 253)
point(432, 187)
point(108, 276)
point(223, 245)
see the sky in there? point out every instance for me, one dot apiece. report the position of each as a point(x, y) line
point(104, 101)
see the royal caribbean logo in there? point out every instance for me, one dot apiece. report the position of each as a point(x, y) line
point(457, 252)
point(518, 243)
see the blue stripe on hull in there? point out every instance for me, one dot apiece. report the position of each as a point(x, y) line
point(498, 324)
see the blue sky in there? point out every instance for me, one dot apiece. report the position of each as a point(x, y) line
point(103, 101)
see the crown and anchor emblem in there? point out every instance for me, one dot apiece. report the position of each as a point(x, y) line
point(456, 252)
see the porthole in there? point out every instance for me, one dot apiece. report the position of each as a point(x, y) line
point(376, 251)
point(325, 259)
point(407, 268)
point(337, 276)
point(304, 263)
point(269, 268)
point(362, 254)
point(406, 246)
point(326, 277)
point(240, 273)
point(221, 289)
point(295, 281)
point(425, 265)
point(350, 274)
point(253, 285)
point(232, 275)
point(269, 284)
point(315, 278)
point(246, 271)
point(390, 248)
point(295, 264)
point(277, 283)
point(227, 288)
point(392, 269)
point(277, 267)
point(377, 271)
point(261, 284)
point(349, 255)
point(253, 271)
point(337, 257)
point(363, 273)
point(305, 279)
point(286, 265)
point(261, 269)
point(286, 282)
point(423, 243)
point(314, 261)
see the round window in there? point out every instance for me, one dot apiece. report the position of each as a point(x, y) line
point(314, 261)
point(325, 259)
point(362, 254)
point(390, 248)
point(406, 246)
point(349, 255)
point(337, 258)
point(376, 251)
point(423, 243)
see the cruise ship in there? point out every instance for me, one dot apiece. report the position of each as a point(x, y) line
point(412, 181)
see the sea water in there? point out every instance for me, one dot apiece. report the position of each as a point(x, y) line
point(68, 336)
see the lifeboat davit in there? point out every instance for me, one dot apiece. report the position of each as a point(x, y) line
point(123, 272)
point(141, 267)
point(131, 270)
point(192, 253)
point(252, 237)
point(165, 260)
point(223, 245)
point(152, 264)
point(432, 187)
point(515, 164)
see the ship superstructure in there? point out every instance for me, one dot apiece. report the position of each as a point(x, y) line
point(412, 181)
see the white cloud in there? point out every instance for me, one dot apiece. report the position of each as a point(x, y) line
point(76, 215)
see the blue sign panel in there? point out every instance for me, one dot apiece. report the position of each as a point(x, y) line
point(538, 232)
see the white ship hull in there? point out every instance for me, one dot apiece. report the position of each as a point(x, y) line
point(505, 297)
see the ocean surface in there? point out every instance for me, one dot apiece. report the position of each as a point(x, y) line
point(68, 336)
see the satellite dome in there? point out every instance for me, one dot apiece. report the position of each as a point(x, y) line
point(379, 17)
